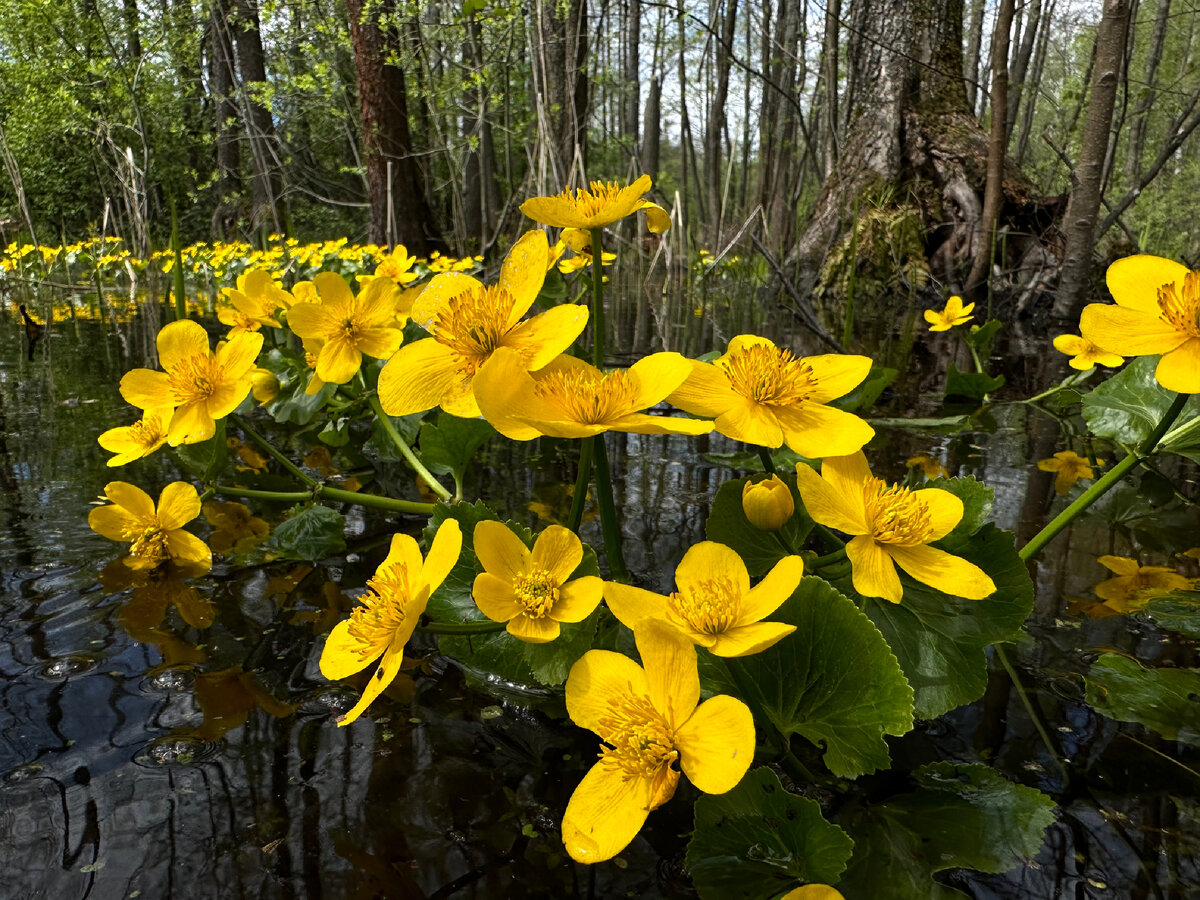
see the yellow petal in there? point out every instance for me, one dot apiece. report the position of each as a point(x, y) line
point(443, 288)
point(872, 570)
point(191, 424)
point(416, 378)
point(499, 551)
point(339, 361)
point(524, 271)
point(1129, 332)
point(656, 376)
point(132, 498)
point(817, 431)
point(1119, 565)
point(841, 510)
point(309, 321)
point(404, 551)
point(546, 335)
point(115, 522)
point(552, 211)
point(380, 343)
point(598, 681)
point(658, 219)
point(768, 595)
point(672, 676)
point(236, 356)
point(607, 809)
point(558, 551)
point(577, 599)
point(631, 605)
point(743, 640)
point(504, 391)
point(837, 374)
point(945, 511)
point(640, 423)
point(178, 504)
point(1179, 370)
point(813, 892)
point(179, 340)
point(147, 389)
point(188, 549)
point(708, 562)
point(444, 551)
point(705, 392)
point(1134, 281)
point(716, 745)
point(460, 401)
point(942, 571)
point(389, 666)
point(334, 292)
point(533, 631)
point(751, 422)
point(1070, 344)
point(495, 598)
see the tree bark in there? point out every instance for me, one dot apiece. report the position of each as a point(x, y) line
point(393, 179)
point(632, 96)
point(1020, 69)
point(714, 129)
point(560, 83)
point(1137, 130)
point(974, 50)
point(651, 133)
point(227, 213)
point(260, 127)
point(1082, 210)
point(829, 76)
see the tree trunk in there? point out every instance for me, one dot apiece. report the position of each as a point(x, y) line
point(1080, 222)
point(260, 127)
point(227, 212)
point(714, 129)
point(974, 50)
point(632, 96)
point(829, 77)
point(560, 84)
point(652, 131)
point(393, 179)
point(1020, 69)
point(1137, 131)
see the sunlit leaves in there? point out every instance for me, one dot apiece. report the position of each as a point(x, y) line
point(760, 550)
point(311, 532)
point(1164, 700)
point(1127, 407)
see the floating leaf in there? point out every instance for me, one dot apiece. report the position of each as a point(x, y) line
point(939, 639)
point(833, 681)
point(1178, 612)
point(1164, 700)
point(312, 532)
point(864, 396)
point(448, 446)
point(961, 816)
point(452, 601)
point(971, 385)
point(758, 840)
point(727, 524)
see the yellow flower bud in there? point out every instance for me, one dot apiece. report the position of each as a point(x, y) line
point(768, 504)
point(264, 385)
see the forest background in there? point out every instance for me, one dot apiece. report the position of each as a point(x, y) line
point(833, 144)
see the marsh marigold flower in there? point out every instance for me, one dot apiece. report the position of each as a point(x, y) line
point(930, 467)
point(529, 589)
point(765, 395)
point(1157, 311)
point(343, 327)
point(602, 203)
point(713, 604)
point(1084, 354)
point(1135, 585)
point(571, 398)
point(140, 439)
point(252, 304)
point(953, 313)
point(396, 266)
point(200, 386)
point(395, 600)
point(892, 526)
point(155, 533)
point(1069, 466)
point(468, 323)
point(768, 504)
point(651, 719)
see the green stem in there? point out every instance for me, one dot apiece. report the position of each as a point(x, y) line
point(579, 500)
point(828, 559)
point(768, 464)
point(608, 513)
point(406, 451)
point(1106, 481)
point(296, 471)
point(327, 493)
point(1027, 702)
point(488, 627)
point(597, 299)
point(180, 297)
point(975, 357)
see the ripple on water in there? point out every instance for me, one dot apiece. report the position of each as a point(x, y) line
point(177, 750)
point(67, 667)
point(326, 701)
point(173, 678)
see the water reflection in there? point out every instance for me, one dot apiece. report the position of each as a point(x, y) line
point(172, 736)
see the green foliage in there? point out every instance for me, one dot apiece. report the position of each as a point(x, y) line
point(1128, 406)
point(448, 446)
point(970, 385)
point(760, 550)
point(758, 841)
point(311, 532)
point(863, 397)
point(977, 500)
point(961, 816)
point(1164, 700)
point(1178, 612)
point(833, 681)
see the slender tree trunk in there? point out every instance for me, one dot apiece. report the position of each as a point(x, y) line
point(829, 77)
point(1039, 64)
point(971, 59)
point(227, 213)
point(715, 127)
point(1082, 210)
point(631, 98)
point(133, 36)
point(260, 127)
point(1020, 69)
point(560, 82)
point(1137, 130)
point(392, 173)
point(652, 129)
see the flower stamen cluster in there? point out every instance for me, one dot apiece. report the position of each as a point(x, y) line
point(897, 515)
point(770, 375)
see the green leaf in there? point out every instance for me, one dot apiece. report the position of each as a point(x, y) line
point(198, 459)
point(447, 447)
point(1127, 407)
point(980, 336)
point(977, 500)
point(760, 550)
point(312, 532)
point(971, 385)
point(1178, 612)
point(379, 446)
point(939, 639)
point(758, 840)
point(961, 816)
point(784, 459)
point(833, 681)
point(864, 396)
point(452, 602)
point(1164, 700)
point(335, 434)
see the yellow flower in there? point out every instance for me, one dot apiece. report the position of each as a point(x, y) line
point(602, 205)
point(892, 526)
point(581, 243)
point(953, 314)
point(347, 326)
point(813, 892)
point(1136, 585)
point(1157, 312)
point(394, 602)
point(264, 385)
point(529, 589)
point(235, 527)
point(253, 303)
point(929, 466)
point(140, 439)
point(155, 533)
point(764, 395)
point(713, 604)
point(1084, 354)
point(396, 266)
point(768, 504)
point(1070, 467)
point(650, 719)
point(199, 385)
point(469, 322)
point(570, 398)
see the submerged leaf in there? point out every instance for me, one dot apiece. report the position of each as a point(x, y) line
point(1164, 700)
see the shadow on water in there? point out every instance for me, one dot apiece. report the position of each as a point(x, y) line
point(163, 738)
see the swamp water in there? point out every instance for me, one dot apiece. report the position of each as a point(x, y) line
point(143, 756)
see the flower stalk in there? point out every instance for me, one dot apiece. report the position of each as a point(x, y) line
point(608, 513)
point(579, 500)
point(406, 451)
point(597, 298)
point(324, 492)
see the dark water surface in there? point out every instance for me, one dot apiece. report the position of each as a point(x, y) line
point(141, 756)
